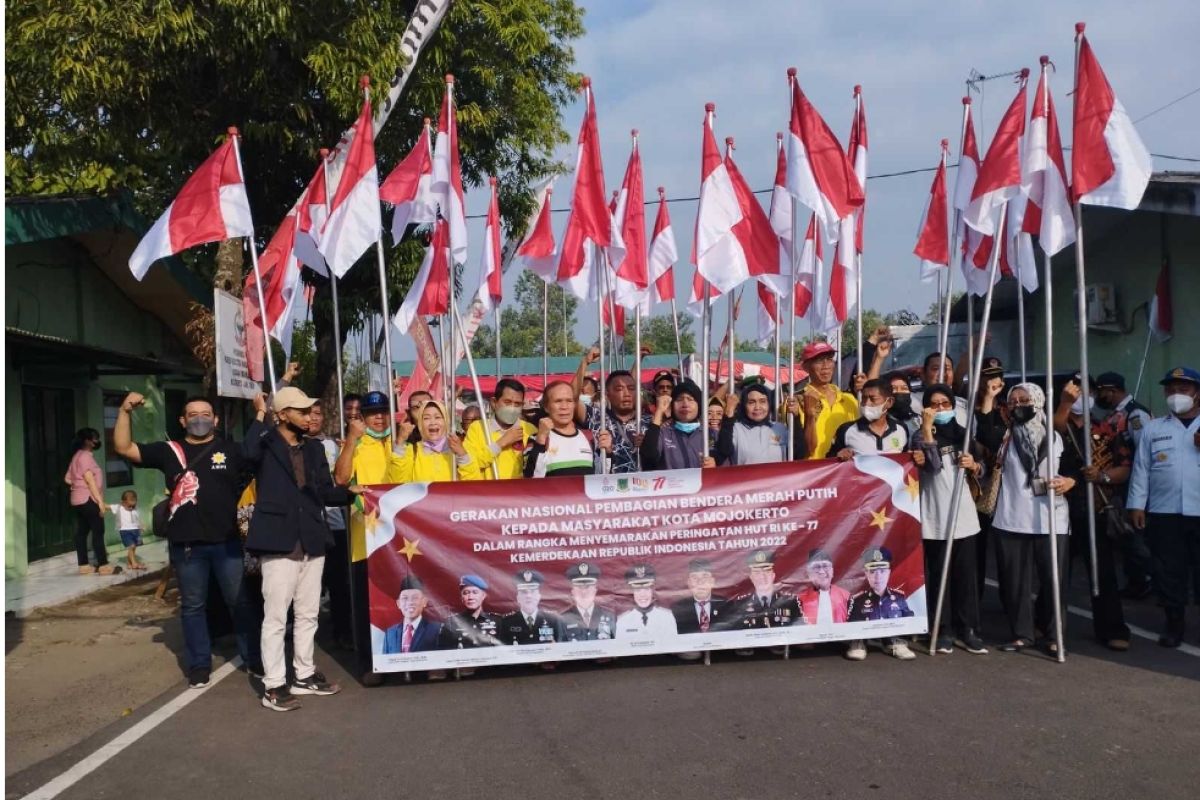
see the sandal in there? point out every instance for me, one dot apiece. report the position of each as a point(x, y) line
point(1015, 646)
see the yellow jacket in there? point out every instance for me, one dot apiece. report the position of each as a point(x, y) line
point(510, 460)
point(374, 462)
point(844, 409)
point(415, 464)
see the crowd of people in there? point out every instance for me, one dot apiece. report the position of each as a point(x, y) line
point(999, 486)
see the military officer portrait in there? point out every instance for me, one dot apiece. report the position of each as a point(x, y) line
point(646, 618)
point(473, 626)
point(701, 611)
point(767, 606)
point(530, 624)
point(414, 633)
point(878, 601)
point(584, 621)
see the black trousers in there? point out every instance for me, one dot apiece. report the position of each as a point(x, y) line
point(960, 610)
point(1108, 617)
point(360, 596)
point(1174, 541)
point(88, 520)
point(982, 541)
point(1018, 557)
point(336, 578)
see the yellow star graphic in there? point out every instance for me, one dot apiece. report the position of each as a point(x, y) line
point(218, 458)
point(370, 520)
point(410, 550)
point(913, 486)
point(880, 518)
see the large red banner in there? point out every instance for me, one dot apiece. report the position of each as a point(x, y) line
point(499, 572)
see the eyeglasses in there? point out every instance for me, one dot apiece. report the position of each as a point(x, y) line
point(941, 405)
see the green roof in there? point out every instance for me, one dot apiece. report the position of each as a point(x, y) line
point(486, 365)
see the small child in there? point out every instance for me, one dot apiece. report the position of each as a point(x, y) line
point(129, 523)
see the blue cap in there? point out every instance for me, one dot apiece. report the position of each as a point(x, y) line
point(472, 580)
point(1181, 374)
point(374, 401)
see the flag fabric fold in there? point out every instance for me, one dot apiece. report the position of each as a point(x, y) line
point(754, 233)
point(1161, 318)
point(311, 213)
point(537, 251)
point(429, 295)
point(490, 283)
point(447, 185)
point(819, 175)
point(355, 221)
point(663, 253)
point(409, 188)
point(844, 276)
point(716, 250)
point(781, 209)
point(768, 314)
point(1048, 211)
point(808, 268)
point(212, 206)
point(999, 178)
point(933, 237)
point(631, 277)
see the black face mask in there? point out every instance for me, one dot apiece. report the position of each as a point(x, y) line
point(1022, 414)
point(1104, 402)
point(901, 405)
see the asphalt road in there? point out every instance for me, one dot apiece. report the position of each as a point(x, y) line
point(1002, 725)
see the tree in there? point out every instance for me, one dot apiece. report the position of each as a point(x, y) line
point(106, 96)
point(659, 334)
point(521, 323)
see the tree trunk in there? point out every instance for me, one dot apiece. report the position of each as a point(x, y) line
point(228, 274)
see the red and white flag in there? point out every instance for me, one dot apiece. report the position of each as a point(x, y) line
point(968, 162)
point(537, 252)
point(933, 237)
point(808, 268)
point(1017, 259)
point(590, 224)
point(311, 213)
point(758, 239)
point(819, 175)
point(631, 275)
point(1048, 213)
point(768, 314)
point(490, 280)
point(355, 221)
point(999, 177)
point(663, 253)
point(716, 251)
point(843, 277)
point(281, 279)
point(608, 311)
point(781, 208)
point(447, 185)
point(429, 295)
point(211, 207)
point(409, 188)
point(1110, 165)
point(695, 304)
point(1160, 315)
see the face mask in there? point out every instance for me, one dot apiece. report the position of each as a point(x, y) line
point(1077, 406)
point(586, 399)
point(1180, 403)
point(901, 405)
point(436, 445)
point(943, 417)
point(686, 427)
point(374, 434)
point(1022, 414)
point(507, 415)
point(872, 413)
point(1103, 403)
point(200, 427)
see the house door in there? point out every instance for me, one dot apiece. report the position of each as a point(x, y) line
point(49, 428)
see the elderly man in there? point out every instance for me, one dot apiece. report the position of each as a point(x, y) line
point(530, 624)
point(584, 621)
point(414, 633)
point(826, 407)
point(823, 602)
point(646, 618)
point(701, 611)
point(767, 606)
point(471, 627)
point(879, 601)
point(618, 434)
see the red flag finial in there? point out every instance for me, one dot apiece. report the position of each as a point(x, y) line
point(449, 79)
point(729, 141)
point(492, 180)
point(1044, 60)
point(1024, 73)
point(634, 133)
point(586, 82)
point(323, 153)
point(427, 122)
point(1079, 26)
point(662, 193)
point(710, 107)
point(232, 130)
point(549, 191)
point(779, 136)
point(857, 89)
point(365, 81)
point(966, 101)
point(945, 144)
point(791, 72)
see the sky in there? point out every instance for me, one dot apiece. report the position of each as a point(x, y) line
point(655, 63)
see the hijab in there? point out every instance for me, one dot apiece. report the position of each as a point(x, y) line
point(1030, 438)
point(433, 445)
point(951, 433)
point(741, 412)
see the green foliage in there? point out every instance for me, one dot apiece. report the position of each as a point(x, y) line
point(659, 334)
point(521, 323)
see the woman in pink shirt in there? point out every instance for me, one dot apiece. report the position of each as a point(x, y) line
point(87, 498)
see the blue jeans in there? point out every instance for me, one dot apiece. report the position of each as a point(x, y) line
point(194, 564)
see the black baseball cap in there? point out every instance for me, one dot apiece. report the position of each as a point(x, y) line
point(992, 368)
point(1110, 380)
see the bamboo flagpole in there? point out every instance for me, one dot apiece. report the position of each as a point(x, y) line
point(262, 303)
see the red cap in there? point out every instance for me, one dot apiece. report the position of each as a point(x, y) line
point(1079, 26)
point(364, 81)
point(857, 89)
point(710, 107)
point(816, 350)
point(791, 72)
point(449, 78)
point(1044, 60)
point(323, 152)
point(966, 101)
point(232, 130)
point(662, 192)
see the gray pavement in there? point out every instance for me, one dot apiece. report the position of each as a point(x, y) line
point(1002, 725)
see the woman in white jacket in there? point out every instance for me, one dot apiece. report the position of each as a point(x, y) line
point(1022, 519)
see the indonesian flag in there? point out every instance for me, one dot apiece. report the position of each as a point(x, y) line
point(695, 304)
point(211, 207)
point(1160, 316)
point(768, 314)
point(781, 208)
point(355, 222)
point(490, 289)
point(999, 177)
point(429, 295)
point(850, 237)
point(1110, 165)
point(590, 224)
point(968, 162)
point(410, 188)
point(631, 274)
point(1048, 212)
point(716, 250)
point(311, 213)
point(1017, 258)
point(536, 252)
point(808, 268)
point(607, 313)
point(447, 175)
point(933, 238)
point(758, 239)
point(663, 253)
point(819, 174)
point(281, 279)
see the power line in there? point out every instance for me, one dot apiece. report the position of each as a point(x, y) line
point(1164, 108)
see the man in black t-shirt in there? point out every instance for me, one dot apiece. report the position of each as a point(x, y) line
point(204, 475)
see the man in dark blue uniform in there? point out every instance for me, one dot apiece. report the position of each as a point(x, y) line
point(529, 624)
point(877, 602)
point(584, 621)
point(472, 627)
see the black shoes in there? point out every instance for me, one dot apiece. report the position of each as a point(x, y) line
point(315, 684)
point(198, 678)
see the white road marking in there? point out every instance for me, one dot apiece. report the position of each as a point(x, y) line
point(93, 762)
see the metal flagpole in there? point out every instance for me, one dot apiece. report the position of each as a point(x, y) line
point(678, 343)
point(1081, 317)
point(791, 316)
point(1137, 387)
point(971, 340)
point(1020, 313)
point(337, 322)
point(960, 476)
point(1058, 615)
point(487, 428)
point(732, 343)
point(387, 337)
point(546, 334)
point(778, 356)
point(600, 329)
point(564, 307)
point(637, 374)
point(955, 247)
point(262, 303)
point(858, 255)
point(498, 371)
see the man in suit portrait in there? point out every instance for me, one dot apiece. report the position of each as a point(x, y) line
point(414, 633)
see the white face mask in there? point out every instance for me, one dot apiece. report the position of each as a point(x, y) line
point(1180, 403)
point(872, 413)
point(1077, 406)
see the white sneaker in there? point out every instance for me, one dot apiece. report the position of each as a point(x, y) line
point(690, 655)
point(900, 650)
point(857, 651)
